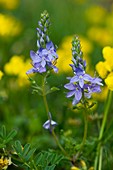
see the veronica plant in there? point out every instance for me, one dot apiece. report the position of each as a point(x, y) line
point(81, 86)
point(43, 62)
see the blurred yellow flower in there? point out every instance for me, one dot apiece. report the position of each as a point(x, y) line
point(9, 26)
point(105, 69)
point(91, 168)
point(109, 81)
point(65, 54)
point(1, 74)
point(74, 168)
point(14, 66)
point(12, 4)
point(83, 164)
point(17, 66)
point(108, 53)
point(101, 97)
point(100, 35)
point(108, 56)
point(101, 69)
point(96, 14)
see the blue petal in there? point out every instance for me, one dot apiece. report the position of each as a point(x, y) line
point(81, 82)
point(71, 93)
point(78, 95)
point(69, 86)
point(74, 79)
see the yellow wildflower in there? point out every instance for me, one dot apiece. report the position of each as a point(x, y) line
point(9, 26)
point(91, 168)
point(1, 74)
point(14, 66)
point(99, 11)
point(74, 168)
point(12, 4)
point(17, 66)
point(108, 53)
point(5, 162)
point(101, 69)
point(100, 35)
point(83, 164)
point(109, 81)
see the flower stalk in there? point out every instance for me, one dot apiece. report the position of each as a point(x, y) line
point(98, 159)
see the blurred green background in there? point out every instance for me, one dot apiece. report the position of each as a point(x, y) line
point(91, 20)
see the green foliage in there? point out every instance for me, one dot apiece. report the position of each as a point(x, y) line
point(29, 160)
point(5, 137)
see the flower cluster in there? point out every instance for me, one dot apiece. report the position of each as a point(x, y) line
point(81, 85)
point(105, 68)
point(45, 57)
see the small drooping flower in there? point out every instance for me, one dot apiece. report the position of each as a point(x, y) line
point(46, 56)
point(49, 124)
point(81, 85)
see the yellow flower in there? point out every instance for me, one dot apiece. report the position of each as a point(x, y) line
point(14, 66)
point(12, 4)
point(103, 95)
point(83, 164)
point(9, 26)
point(95, 14)
point(91, 168)
point(1, 74)
point(5, 162)
point(74, 168)
point(17, 66)
point(100, 35)
point(109, 81)
point(108, 53)
point(101, 69)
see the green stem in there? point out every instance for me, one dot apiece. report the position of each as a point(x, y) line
point(109, 99)
point(49, 118)
point(100, 159)
point(85, 128)
point(85, 114)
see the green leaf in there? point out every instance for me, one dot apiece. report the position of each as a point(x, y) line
point(29, 155)
point(11, 135)
point(53, 89)
point(18, 147)
point(3, 132)
point(26, 149)
point(38, 158)
point(52, 167)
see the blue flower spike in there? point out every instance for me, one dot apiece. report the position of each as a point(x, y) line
point(81, 85)
point(45, 57)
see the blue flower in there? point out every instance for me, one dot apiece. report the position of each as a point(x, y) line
point(49, 124)
point(80, 78)
point(74, 90)
point(46, 56)
point(81, 85)
point(43, 59)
